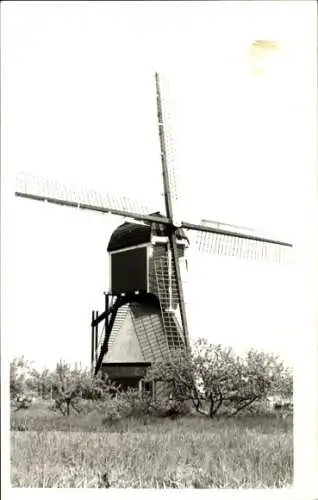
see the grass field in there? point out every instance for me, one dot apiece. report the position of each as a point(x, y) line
point(195, 452)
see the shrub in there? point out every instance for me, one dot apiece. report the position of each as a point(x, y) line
point(126, 404)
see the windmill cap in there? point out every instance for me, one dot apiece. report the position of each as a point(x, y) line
point(130, 234)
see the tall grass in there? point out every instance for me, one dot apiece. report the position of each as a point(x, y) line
point(252, 452)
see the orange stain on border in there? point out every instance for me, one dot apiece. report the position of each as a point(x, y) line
point(261, 54)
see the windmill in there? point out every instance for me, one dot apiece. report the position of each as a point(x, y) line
point(145, 317)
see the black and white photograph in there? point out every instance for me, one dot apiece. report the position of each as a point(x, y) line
point(158, 212)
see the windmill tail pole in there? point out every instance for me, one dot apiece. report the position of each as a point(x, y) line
point(104, 347)
point(93, 342)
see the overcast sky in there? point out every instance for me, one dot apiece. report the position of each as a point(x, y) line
point(79, 105)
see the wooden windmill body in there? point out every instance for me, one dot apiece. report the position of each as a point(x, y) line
point(143, 289)
point(145, 316)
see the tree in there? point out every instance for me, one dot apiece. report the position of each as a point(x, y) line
point(20, 383)
point(177, 375)
point(42, 382)
point(216, 380)
point(71, 385)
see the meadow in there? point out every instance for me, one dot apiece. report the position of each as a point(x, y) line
point(50, 450)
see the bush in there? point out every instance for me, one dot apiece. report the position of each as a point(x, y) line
point(171, 408)
point(126, 404)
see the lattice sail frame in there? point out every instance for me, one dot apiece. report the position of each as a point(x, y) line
point(35, 186)
point(230, 246)
point(38, 187)
point(171, 151)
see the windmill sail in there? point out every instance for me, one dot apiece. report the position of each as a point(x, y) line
point(32, 186)
point(173, 248)
point(167, 120)
point(72, 195)
point(44, 189)
point(238, 246)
